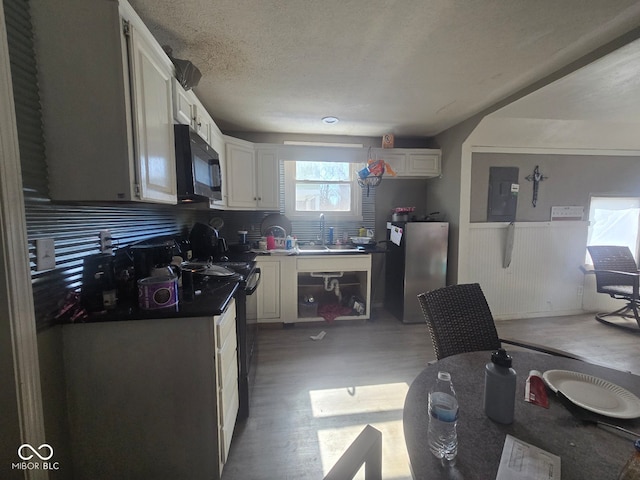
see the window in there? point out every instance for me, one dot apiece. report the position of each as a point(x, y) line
point(614, 221)
point(321, 187)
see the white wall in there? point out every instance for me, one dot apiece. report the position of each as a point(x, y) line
point(549, 285)
point(543, 276)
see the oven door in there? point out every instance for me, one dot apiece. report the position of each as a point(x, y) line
point(247, 338)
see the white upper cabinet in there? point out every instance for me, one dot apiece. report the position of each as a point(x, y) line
point(252, 176)
point(411, 162)
point(422, 164)
point(182, 104)
point(268, 180)
point(202, 121)
point(241, 174)
point(397, 162)
point(106, 93)
point(188, 110)
point(153, 122)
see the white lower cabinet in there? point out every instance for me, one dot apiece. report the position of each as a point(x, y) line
point(276, 288)
point(332, 279)
point(269, 290)
point(286, 280)
point(152, 398)
point(226, 380)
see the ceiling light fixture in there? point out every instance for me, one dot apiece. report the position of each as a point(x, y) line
point(330, 120)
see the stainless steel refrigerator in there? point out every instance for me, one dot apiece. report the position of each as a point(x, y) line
point(418, 264)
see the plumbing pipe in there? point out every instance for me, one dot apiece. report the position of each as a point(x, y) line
point(335, 285)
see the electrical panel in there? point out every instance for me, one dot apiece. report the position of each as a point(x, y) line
point(503, 194)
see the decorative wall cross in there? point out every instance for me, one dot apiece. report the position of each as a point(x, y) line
point(536, 177)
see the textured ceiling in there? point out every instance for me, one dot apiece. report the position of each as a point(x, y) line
point(607, 90)
point(407, 67)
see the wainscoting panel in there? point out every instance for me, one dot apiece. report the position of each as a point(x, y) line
point(543, 277)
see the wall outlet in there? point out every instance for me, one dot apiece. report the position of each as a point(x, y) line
point(106, 242)
point(45, 254)
point(580, 290)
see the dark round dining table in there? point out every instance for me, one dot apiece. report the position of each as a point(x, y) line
point(587, 451)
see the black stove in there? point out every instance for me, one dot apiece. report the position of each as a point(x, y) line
point(243, 269)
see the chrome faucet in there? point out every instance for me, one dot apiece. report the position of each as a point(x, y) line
point(322, 228)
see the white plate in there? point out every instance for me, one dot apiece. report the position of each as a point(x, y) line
point(594, 394)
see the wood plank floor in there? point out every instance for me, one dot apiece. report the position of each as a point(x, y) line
point(312, 398)
point(581, 335)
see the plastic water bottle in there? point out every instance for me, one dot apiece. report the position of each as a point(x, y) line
point(443, 418)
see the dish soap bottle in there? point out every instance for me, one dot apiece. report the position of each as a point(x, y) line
point(499, 388)
point(631, 470)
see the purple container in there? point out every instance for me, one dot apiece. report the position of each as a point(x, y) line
point(157, 292)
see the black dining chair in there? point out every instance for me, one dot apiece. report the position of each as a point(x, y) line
point(460, 320)
point(365, 449)
point(617, 275)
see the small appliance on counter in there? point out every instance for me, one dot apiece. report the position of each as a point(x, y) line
point(146, 257)
point(243, 244)
point(98, 283)
point(206, 244)
point(401, 214)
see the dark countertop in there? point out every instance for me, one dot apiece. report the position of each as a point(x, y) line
point(213, 300)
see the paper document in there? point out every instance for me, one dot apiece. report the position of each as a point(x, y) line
point(396, 234)
point(522, 461)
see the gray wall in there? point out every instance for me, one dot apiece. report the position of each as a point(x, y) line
point(443, 193)
point(572, 179)
point(393, 193)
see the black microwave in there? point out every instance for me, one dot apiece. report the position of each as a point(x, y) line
point(197, 167)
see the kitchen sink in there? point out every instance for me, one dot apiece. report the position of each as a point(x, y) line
point(343, 248)
point(312, 249)
point(326, 249)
